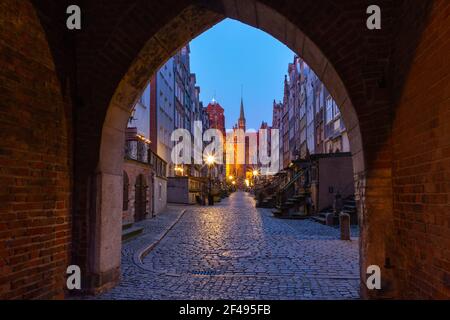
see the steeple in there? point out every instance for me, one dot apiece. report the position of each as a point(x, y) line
point(241, 115)
point(241, 121)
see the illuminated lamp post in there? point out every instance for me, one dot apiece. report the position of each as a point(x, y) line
point(210, 161)
point(255, 175)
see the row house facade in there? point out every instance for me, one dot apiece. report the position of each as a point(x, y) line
point(171, 100)
point(184, 180)
point(143, 169)
point(315, 160)
point(308, 118)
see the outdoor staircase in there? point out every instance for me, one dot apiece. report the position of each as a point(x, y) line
point(349, 208)
point(268, 202)
point(129, 231)
point(290, 203)
point(289, 209)
point(321, 217)
point(266, 196)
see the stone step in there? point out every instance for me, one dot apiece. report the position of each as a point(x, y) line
point(299, 215)
point(320, 219)
point(131, 232)
point(277, 212)
point(127, 226)
point(292, 217)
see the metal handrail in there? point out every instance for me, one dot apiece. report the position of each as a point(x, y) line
point(290, 182)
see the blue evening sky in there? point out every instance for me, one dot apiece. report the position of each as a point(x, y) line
point(232, 54)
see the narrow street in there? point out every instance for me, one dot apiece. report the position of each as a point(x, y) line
point(236, 251)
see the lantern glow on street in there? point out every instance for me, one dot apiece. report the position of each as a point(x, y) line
point(210, 160)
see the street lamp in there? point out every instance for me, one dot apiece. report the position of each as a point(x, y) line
point(255, 175)
point(210, 161)
point(179, 170)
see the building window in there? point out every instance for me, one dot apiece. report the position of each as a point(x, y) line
point(317, 101)
point(329, 110)
point(336, 109)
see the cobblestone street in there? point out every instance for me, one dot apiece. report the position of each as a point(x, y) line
point(235, 251)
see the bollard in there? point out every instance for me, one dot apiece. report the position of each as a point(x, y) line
point(210, 200)
point(329, 219)
point(344, 224)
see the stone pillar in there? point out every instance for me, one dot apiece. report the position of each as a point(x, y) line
point(106, 222)
point(106, 234)
point(344, 225)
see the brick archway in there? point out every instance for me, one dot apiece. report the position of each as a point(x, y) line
point(393, 82)
point(152, 55)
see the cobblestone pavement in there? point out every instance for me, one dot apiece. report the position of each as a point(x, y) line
point(235, 251)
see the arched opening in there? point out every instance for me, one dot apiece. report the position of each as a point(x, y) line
point(147, 62)
point(393, 82)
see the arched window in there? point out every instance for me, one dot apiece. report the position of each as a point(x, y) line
point(126, 184)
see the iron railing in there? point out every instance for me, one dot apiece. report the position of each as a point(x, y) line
point(136, 150)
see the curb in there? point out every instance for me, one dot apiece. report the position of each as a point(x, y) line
point(139, 255)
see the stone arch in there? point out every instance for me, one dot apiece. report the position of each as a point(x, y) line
point(384, 72)
point(158, 49)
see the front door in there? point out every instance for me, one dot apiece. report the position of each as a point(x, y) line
point(140, 198)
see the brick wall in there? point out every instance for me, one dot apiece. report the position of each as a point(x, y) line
point(34, 160)
point(421, 154)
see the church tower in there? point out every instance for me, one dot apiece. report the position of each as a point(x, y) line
point(240, 169)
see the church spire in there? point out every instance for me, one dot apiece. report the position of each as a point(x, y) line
point(241, 116)
point(241, 121)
